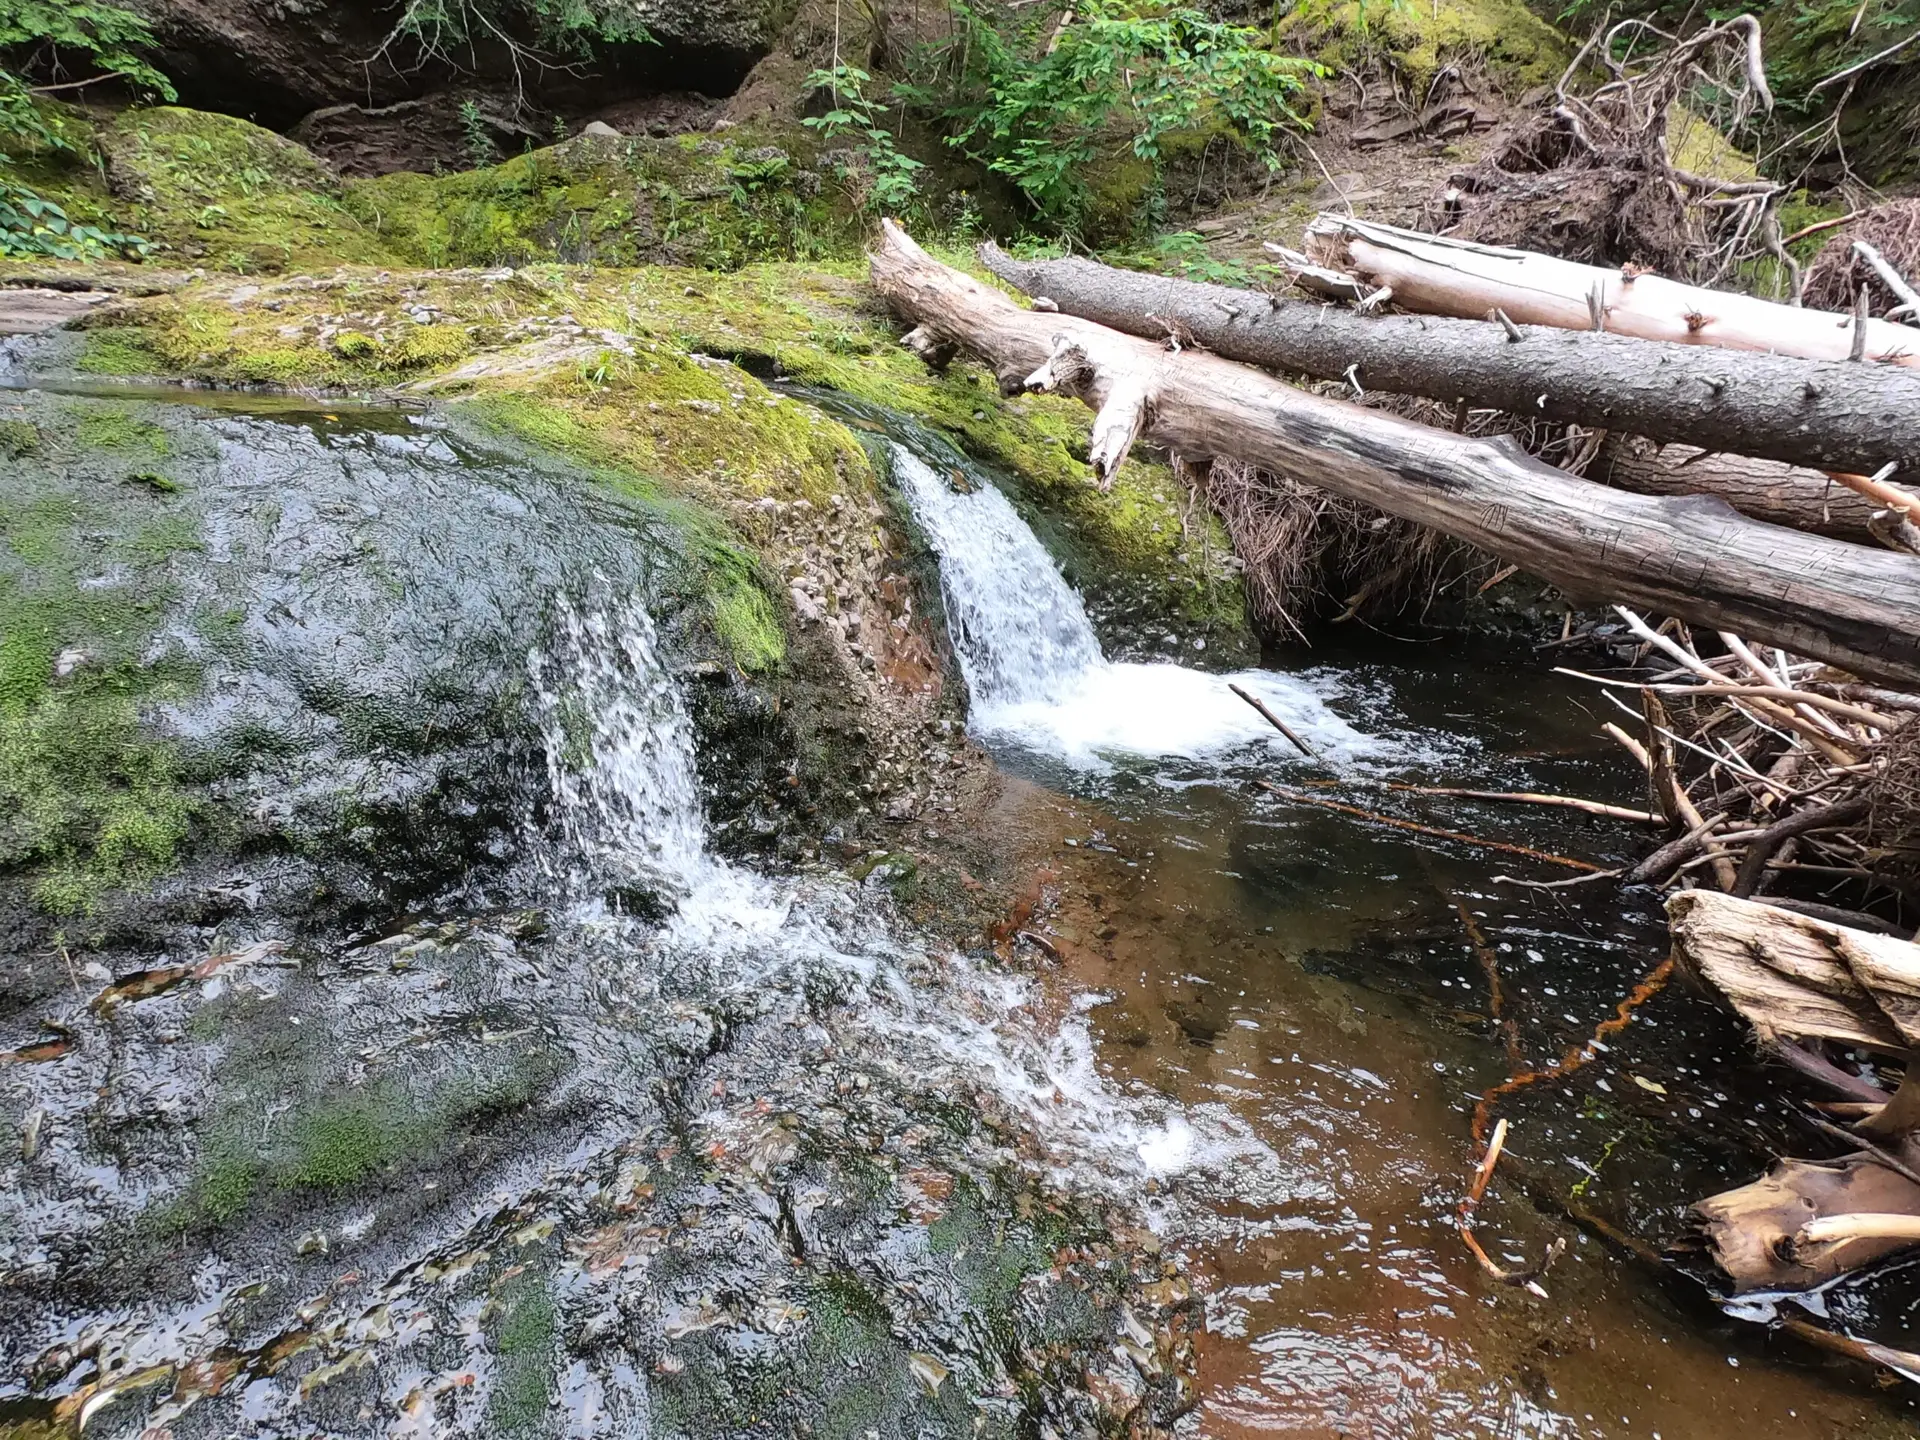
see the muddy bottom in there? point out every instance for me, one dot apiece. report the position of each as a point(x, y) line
point(1328, 999)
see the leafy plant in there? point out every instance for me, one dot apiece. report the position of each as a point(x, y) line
point(1042, 120)
point(892, 185)
point(30, 224)
point(52, 34)
point(476, 134)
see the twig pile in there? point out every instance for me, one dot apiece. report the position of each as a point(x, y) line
point(1776, 770)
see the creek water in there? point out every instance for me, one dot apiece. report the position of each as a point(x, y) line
point(751, 1155)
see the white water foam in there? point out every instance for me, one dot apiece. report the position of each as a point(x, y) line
point(620, 760)
point(1035, 671)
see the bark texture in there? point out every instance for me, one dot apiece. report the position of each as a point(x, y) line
point(1694, 557)
point(1832, 415)
point(1768, 490)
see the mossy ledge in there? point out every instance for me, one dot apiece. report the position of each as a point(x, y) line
point(654, 370)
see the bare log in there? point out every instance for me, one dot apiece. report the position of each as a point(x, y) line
point(1438, 275)
point(1768, 490)
point(1827, 415)
point(1692, 558)
point(1793, 976)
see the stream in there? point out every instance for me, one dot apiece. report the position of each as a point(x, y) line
point(627, 1133)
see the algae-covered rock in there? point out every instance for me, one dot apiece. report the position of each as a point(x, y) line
point(717, 201)
point(1502, 37)
point(230, 638)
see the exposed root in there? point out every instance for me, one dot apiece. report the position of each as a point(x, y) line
point(1838, 274)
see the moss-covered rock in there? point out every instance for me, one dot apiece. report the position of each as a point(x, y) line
point(1417, 39)
point(716, 201)
point(205, 189)
point(638, 368)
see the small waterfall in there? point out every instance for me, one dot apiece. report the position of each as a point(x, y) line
point(1033, 664)
point(625, 783)
point(619, 747)
point(626, 788)
point(1020, 629)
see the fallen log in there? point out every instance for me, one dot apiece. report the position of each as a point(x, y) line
point(1768, 490)
point(1826, 415)
point(1793, 976)
point(1437, 275)
point(1692, 558)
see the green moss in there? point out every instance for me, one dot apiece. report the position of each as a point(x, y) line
point(115, 428)
point(89, 801)
point(523, 1331)
point(222, 191)
point(117, 350)
point(351, 1136)
point(225, 1186)
point(718, 202)
point(1417, 38)
point(427, 347)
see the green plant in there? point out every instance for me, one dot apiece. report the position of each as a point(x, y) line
point(30, 224)
point(1041, 120)
point(476, 135)
point(891, 183)
point(53, 34)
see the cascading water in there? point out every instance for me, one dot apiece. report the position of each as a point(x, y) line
point(1034, 667)
point(626, 789)
point(625, 784)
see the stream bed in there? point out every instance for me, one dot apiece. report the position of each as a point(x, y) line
point(500, 1097)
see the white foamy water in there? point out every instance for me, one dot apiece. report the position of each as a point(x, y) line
point(1034, 668)
point(621, 763)
point(626, 788)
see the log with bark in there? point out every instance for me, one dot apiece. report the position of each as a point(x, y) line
point(1692, 557)
point(1437, 275)
point(1769, 490)
point(1829, 415)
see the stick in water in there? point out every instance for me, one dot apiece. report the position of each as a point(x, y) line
point(1274, 720)
point(1301, 799)
point(1528, 797)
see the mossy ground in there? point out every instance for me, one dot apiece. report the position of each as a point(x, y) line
point(220, 192)
point(1416, 39)
point(711, 201)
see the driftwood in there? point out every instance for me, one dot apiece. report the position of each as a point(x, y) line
point(1692, 558)
point(1827, 415)
point(1794, 976)
point(1440, 276)
point(1768, 490)
point(1759, 1232)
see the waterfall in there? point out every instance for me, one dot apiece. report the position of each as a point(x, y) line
point(624, 778)
point(1034, 667)
point(1020, 630)
point(626, 787)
